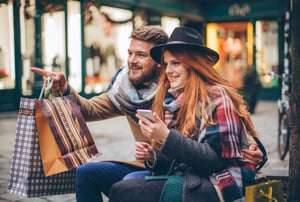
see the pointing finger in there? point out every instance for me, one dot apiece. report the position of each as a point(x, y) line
point(41, 72)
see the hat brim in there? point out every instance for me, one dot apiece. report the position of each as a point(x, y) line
point(212, 55)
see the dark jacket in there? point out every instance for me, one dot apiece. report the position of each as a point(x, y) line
point(186, 150)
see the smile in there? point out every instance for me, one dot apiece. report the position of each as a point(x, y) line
point(172, 78)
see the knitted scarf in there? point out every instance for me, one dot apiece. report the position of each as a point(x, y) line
point(127, 97)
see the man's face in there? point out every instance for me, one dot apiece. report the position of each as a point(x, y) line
point(142, 69)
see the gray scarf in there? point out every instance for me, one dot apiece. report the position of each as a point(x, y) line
point(127, 97)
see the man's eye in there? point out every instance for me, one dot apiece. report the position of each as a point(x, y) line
point(141, 55)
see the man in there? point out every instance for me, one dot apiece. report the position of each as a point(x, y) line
point(132, 87)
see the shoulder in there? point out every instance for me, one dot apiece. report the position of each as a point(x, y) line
point(219, 97)
point(216, 92)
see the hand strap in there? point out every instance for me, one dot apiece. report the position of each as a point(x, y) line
point(47, 88)
point(263, 150)
point(46, 91)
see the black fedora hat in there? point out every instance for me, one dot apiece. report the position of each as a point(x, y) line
point(188, 37)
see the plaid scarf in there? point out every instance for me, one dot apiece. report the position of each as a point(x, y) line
point(227, 137)
point(171, 106)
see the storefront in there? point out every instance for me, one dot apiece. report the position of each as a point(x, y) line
point(250, 39)
point(8, 88)
point(87, 40)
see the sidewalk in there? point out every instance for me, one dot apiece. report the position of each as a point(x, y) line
point(114, 140)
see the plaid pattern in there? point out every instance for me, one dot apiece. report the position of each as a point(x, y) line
point(26, 175)
point(225, 138)
point(171, 105)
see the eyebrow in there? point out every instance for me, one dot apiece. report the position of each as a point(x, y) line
point(138, 51)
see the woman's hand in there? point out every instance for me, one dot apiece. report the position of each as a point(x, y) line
point(143, 151)
point(253, 154)
point(153, 130)
point(59, 82)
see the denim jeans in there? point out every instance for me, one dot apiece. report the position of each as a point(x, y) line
point(137, 174)
point(95, 178)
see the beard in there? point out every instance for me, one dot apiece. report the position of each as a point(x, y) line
point(142, 77)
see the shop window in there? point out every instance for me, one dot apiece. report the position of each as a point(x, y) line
point(141, 18)
point(52, 39)
point(234, 43)
point(267, 55)
point(74, 45)
point(53, 36)
point(107, 31)
point(27, 12)
point(7, 63)
point(169, 24)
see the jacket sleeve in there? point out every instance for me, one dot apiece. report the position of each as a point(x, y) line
point(97, 108)
point(161, 164)
point(200, 156)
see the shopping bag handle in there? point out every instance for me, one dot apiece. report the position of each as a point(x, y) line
point(263, 150)
point(46, 91)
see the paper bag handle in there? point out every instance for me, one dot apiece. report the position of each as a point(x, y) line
point(268, 195)
point(46, 91)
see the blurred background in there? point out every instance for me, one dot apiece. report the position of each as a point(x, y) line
point(88, 40)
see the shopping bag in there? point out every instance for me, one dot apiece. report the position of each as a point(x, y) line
point(64, 138)
point(269, 191)
point(26, 174)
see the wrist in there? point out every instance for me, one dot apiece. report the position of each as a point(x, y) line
point(165, 135)
point(153, 157)
point(68, 91)
point(150, 163)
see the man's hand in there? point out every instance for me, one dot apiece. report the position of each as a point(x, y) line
point(253, 154)
point(59, 82)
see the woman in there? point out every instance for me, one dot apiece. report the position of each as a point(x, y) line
point(201, 127)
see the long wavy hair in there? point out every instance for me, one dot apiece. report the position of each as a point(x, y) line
point(202, 77)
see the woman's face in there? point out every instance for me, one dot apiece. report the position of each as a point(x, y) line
point(177, 73)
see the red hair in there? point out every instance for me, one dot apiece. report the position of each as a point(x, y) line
point(202, 76)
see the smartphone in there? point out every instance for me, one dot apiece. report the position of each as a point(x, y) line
point(146, 113)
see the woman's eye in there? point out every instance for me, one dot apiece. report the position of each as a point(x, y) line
point(176, 63)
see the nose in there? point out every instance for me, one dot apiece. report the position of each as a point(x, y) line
point(168, 69)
